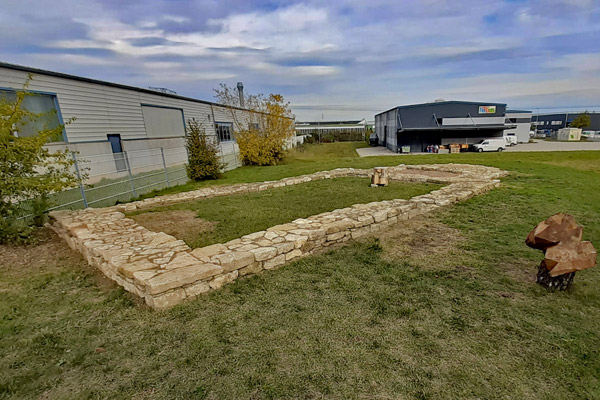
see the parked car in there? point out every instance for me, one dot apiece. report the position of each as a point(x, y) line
point(373, 139)
point(490, 145)
point(511, 139)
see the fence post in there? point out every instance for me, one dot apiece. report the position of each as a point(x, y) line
point(162, 153)
point(223, 157)
point(129, 172)
point(235, 155)
point(81, 188)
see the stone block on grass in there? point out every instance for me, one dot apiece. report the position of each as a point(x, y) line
point(208, 251)
point(166, 300)
point(264, 253)
point(234, 260)
point(181, 276)
point(129, 269)
point(224, 279)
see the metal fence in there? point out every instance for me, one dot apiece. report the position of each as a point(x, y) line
point(108, 179)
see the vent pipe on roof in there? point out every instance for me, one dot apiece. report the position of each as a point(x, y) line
point(240, 87)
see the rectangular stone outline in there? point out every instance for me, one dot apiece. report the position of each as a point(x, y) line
point(165, 271)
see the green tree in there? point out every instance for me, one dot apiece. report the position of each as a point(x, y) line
point(582, 120)
point(29, 172)
point(203, 157)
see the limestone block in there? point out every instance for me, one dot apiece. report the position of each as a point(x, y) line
point(263, 242)
point(380, 216)
point(298, 240)
point(197, 289)
point(282, 228)
point(335, 236)
point(141, 277)
point(181, 276)
point(255, 235)
point(338, 226)
point(380, 176)
point(270, 235)
point(264, 253)
point(253, 268)
point(366, 219)
point(293, 254)
point(360, 232)
point(117, 261)
point(142, 265)
point(275, 262)
point(284, 247)
point(209, 251)
point(181, 260)
point(224, 279)
point(234, 260)
point(161, 238)
point(166, 300)
point(247, 247)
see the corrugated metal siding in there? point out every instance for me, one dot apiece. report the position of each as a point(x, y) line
point(101, 109)
point(387, 119)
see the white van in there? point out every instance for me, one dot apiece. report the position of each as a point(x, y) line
point(511, 139)
point(490, 145)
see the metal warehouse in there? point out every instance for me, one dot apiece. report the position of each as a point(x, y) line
point(440, 123)
point(555, 121)
point(113, 119)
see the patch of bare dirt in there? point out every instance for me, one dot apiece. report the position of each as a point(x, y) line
point(422, 239)
point(433, 174)
point(45, 248)
point(183, 224)
point(520, 270)
point(46, 252)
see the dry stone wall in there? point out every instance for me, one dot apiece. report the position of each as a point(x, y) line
point(165, 271)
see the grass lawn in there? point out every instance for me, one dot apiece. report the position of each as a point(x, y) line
point(234, 216)
point(442, 307)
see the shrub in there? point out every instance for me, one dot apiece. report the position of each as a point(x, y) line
point(29, 173)
point(203, 153)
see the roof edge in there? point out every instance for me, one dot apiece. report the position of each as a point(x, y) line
point(111, 84)
point(444, 102)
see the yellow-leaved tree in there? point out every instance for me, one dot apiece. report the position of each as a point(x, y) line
point(264, 132)
point(29, 172)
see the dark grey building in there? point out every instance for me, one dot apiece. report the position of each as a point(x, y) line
point(555, 121)
point(441, 123)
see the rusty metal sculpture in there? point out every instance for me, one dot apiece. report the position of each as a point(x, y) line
point(559, 237)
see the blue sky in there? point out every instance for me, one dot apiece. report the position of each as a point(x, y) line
point(343, 59)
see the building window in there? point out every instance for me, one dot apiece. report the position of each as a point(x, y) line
point(253, 125)
point(224, 131)
point(42, 104)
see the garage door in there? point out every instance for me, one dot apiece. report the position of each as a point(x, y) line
point(163, 121)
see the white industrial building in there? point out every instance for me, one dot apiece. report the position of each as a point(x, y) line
point(111, 118)
point(522, 120)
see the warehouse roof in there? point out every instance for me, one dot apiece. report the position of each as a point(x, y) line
point(105, 83)
point(435, 103)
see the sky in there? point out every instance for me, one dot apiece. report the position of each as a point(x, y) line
point(332, 60)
